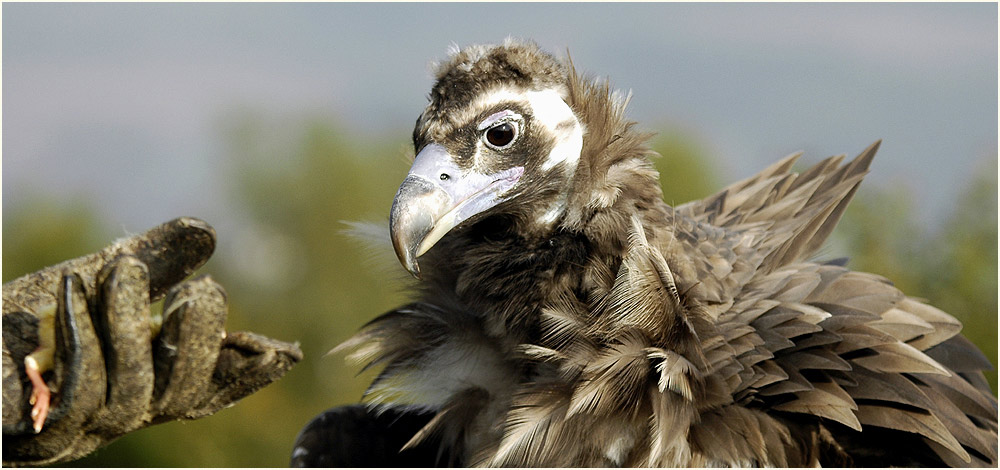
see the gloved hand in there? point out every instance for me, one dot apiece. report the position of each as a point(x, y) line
point(111, 373)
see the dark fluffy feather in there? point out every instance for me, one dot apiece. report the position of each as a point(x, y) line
point(634, 333)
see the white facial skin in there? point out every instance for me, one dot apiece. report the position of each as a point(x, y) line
point(553, 114)
point(550, 111)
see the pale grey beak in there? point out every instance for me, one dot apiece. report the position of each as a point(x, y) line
point(436, 196)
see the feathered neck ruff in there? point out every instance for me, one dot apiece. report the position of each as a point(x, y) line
point(615, 170)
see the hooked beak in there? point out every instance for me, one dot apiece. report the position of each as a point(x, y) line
point(437, 196)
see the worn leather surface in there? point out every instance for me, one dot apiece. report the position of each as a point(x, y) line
point(113, 372)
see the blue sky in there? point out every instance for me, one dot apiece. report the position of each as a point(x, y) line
point(92, 92)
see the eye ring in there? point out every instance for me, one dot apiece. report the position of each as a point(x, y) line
point(501, 135)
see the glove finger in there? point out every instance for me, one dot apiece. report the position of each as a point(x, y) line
point(123, 324)
point(247, 363)
point(79, 365)
point(188, 346)
point(171, 251)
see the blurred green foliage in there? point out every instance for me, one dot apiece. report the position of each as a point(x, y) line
point(685, 170)
point(294, 273)
point(44, 232)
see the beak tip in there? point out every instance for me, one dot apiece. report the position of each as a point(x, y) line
point(413, 268)
point(414, 213)
point(406, 254)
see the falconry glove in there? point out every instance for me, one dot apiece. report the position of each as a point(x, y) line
point(83, 327)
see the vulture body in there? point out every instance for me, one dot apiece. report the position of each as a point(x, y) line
point(567, 316)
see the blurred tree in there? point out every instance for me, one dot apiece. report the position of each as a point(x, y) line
point(44, 232)
point(685, 167)
point(319, 284)
point(965, 281)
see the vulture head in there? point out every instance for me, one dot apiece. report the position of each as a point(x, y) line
point(500, 137)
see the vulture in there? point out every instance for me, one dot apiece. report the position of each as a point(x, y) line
point(564, 315)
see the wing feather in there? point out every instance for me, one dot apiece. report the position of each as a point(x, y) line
point(917, 422)
point(961, 426)
point(825, 400)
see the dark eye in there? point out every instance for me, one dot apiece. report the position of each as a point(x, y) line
point(501, 135)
